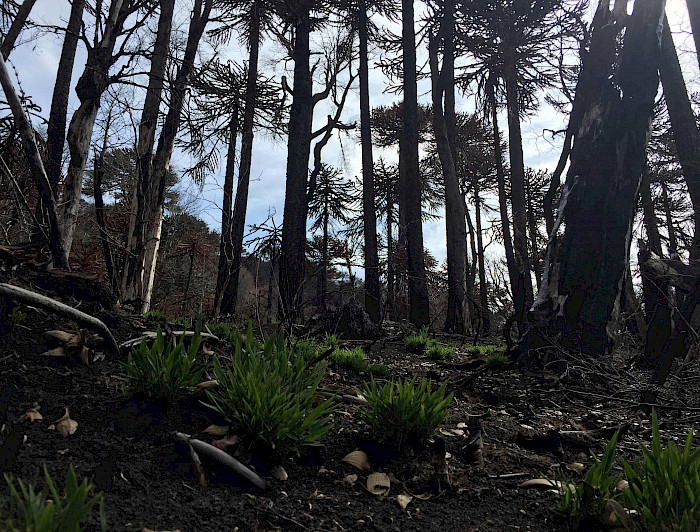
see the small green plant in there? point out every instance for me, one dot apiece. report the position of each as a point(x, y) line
point(330, 340)
point(52, 511)
point(590, 497)
point(664, 485)
point(485, 350)
point(156, 315)
point(498, 361)
point(267, 393)
point(439, 352)
point(181, 320)
point(356, 360)
point(418, 343)
point(163, 371)
point(222, 329)
point(16, 317)
point(405, 412)
point(307, 349)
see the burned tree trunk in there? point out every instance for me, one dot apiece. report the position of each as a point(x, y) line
point(410, 176)
point(59, 254)
point(223, 278)
point(8, 43)
point(369, 216)
point(578, 303)
point(454, 205)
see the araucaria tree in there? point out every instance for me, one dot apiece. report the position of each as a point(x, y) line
point(580, 294)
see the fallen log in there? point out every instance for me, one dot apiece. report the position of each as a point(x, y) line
point(37, 300)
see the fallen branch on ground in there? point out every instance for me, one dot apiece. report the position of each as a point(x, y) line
point(222, 458)
point(37, 300)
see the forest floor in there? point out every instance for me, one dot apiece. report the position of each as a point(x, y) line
point(124, 443)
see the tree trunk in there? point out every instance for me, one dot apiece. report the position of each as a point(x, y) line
point(369, 216)
point(685, 131)
point(59, 254)
point(90, 87)
point(417, 282)
point(390, 275)
point(324, 259)
point(56, 131)
point(298, 151)
point(485, 312)
point(670, 226)
point(8, 43)
point(522, 290)
point(100, 207)
point(222, 306)
point(240, 206)
point(605, 27)
point(579, 300)
point(454, 206)
point(155, 201)
point(502, 200)
point(532, 227)
point(132, 275)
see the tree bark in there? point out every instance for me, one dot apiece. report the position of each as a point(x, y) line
point(579, 300)
point(56, 130)
point(485, 312)
point(417, 281)
point(241, 204)
point(59, 255)
point(522, 289)
point(390, 275)
point(132, 275)
point(8, 43)
point(166, 144)
point(223, 277)
point(532, 228)
point(298, 152)
point(685, 131)
point(369, 216)
point(455, 221)
point(500, 173)
point(91, 85)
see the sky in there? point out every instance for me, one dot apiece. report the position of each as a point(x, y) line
point(35, 63)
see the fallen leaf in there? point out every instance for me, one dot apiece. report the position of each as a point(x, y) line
point(403, 500)
point(56, 352)
point(578, 467)
point(226, 443)
point(279, 473)
point(358, 459)
point(378, 484)
point(208, 385)
point(217, 430)
point(61, 336)
point(545, 483)
point(31, 415)
point(615, 514)
point(424, 496)
point(64, 451)
point(98, 356)
point(622, 485)
point(66, 426)
point(84, 355)
point(350, 479)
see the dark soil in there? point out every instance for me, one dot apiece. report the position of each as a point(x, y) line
point(124, 443)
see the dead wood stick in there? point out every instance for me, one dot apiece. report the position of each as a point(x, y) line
point(345, 397)
point(224, 459)
point(151, 334)
point(32, 298)
point(320, 357)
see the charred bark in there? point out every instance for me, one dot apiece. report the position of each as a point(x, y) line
point(132, 274)
point(56, 130)
point(417, 281)
point(8, 43)
point(59, 254)
point(298, 153)
point(579, 301)
point(240, 206)
point(369, 216)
